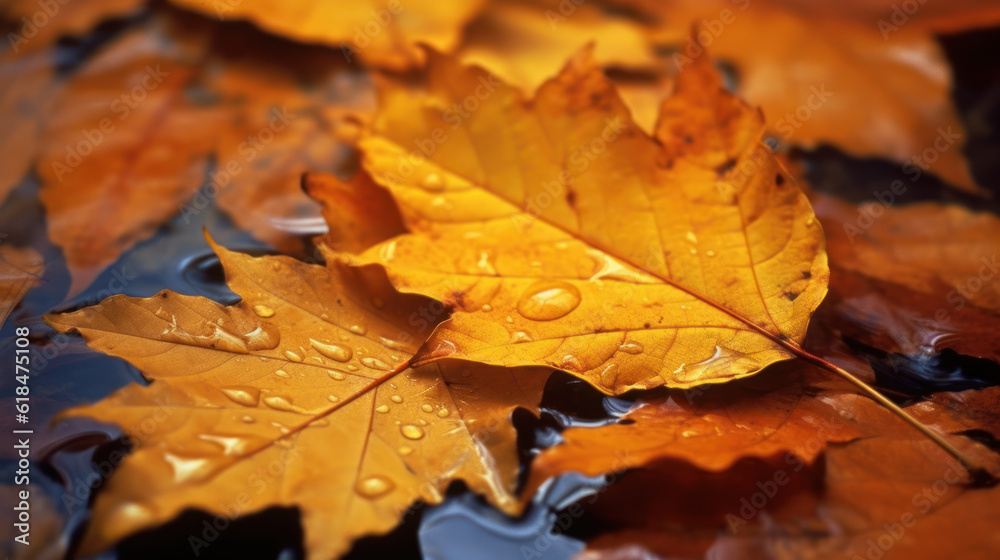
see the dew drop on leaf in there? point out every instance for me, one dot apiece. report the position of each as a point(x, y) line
point(292, 356)
point(263, 311)
point(332, 351)
point(410, 431)
point(375, 363)
point(336, 375)
point(547, 300)
point(242, 396)
point(374, 486)
point(382, 409)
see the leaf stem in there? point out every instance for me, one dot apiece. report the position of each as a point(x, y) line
point(979, 475)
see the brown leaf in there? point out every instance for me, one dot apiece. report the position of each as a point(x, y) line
point(308, 379)
point(914, 279)
point(837, 80)
point(26, 83)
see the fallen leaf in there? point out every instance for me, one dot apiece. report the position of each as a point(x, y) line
point(37, 25)
point(20, 270)
point(118, 156)
point(914, 279)
point(308, 378)
point(903, 495)
point(25, 85)
point(380, 33)
point(173, 95)
point(525, 43)
point(778, 417)
point(562, 235)
point(836, 80)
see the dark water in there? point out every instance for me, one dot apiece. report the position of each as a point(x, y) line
point(69, 468)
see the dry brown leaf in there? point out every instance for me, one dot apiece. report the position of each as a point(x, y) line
point(837, 80)
point(20, 270)
point(914, 279)
point(562, 235)
point(307, 378)
point(381, 33)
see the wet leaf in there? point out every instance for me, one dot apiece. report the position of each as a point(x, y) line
point(301, 395)
point(26, 83)
point(914, 279)
point(562, 235)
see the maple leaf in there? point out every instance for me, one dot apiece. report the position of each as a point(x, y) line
point(915, 278)
point(380, 33)
point(562, 235)
point(837, 80)
point(308, 378)
point(20, 270)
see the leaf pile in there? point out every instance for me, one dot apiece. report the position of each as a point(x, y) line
point(503, 190)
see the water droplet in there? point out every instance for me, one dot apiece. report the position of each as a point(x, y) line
point(485, 265)
point(282, 373)
point(230, 445)
point(396, 399)
point(390, 343)
point(426, 407)
point(332, 398)
point(279, 403)
point(248, 419)
point(382, 409)
point(359, 329)
point(410, 431)
point(432, 182)
point(509, 319)
point(546, 300)
point(374, 486)
point(336, 375)
point(332, 351)
point(609, 375)
point(263, 311)
point(810, 221)
point(264, 337)
point(487, 308)
point(570, 362)
point(293, 356)
point(693, 251)
point(187, 468)
point(247, 397)
point(520, 336)
point(352, 367)
point(631, 348)
point(404, 451)
point(375, 363)
point(443, 413)
point(710, 253)
point(690, 236)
